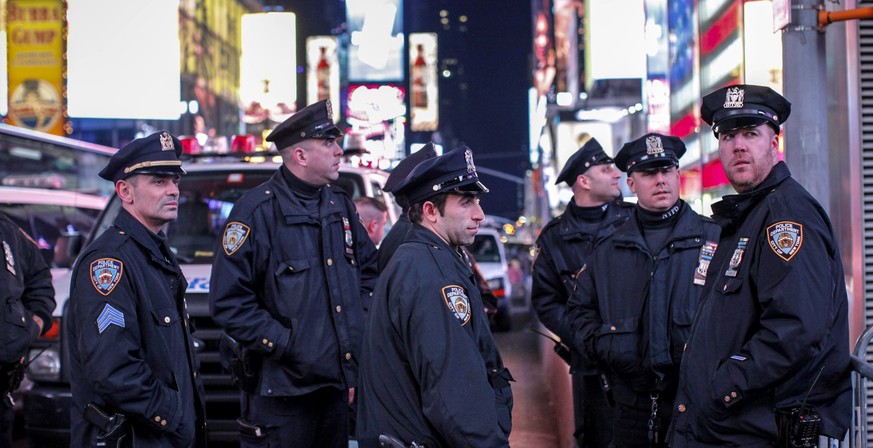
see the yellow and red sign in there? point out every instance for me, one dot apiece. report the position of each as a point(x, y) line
point(36, 40)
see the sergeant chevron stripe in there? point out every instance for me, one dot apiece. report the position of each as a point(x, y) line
point(109, 316)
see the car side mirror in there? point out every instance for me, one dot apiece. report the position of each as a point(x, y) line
point(67, 247)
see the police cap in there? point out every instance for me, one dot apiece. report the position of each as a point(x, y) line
point(650, 151)
point(156, 154)
point(313, 121)
point(590, 154)
point(407, 165)
point(452, 172)
point(743, 106)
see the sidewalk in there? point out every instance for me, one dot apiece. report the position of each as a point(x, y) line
point(534, 422)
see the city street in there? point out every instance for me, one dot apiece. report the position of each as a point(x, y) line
point(534, 420)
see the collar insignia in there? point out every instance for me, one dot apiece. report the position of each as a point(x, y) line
point(105, 274)
point(10, 260)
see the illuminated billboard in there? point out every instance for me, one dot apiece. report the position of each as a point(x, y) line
point(377, 43)
point(268, 87)
point(124, 59)
point(35, 39)
point(423, 85)
point(378, 114)
point(322, 71)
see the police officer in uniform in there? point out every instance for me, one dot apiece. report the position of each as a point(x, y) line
point(131, 350)
point(291, 280)
point(636, 296)
point(430, 371)
point(26, 289)
point(561, 249)
point(398, 231)
point(773, 327)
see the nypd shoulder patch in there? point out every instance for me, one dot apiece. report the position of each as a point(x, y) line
point(105, 274)
point(785, 238)
point(235, 234)
point(109, 316)
point(459, 304)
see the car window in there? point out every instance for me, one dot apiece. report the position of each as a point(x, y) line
point(485, 250)
point(46, 222)
point(205, 201)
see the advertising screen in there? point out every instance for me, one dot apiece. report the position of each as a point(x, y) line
point(269, 53)
point(423, 85)
point(377, 43)
point(123, 59)
point(322, 71)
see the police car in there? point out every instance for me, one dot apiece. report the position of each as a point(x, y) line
point(208, 193)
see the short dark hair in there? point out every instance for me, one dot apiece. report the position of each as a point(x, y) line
point(416, 213)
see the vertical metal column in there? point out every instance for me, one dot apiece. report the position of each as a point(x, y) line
point(805, 81)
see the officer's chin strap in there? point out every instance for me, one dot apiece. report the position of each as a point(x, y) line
point(654, 426)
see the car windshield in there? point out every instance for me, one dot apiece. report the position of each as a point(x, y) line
point(205, 201)
point(46, 222)
point(484, 249)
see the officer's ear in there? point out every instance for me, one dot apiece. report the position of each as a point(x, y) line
point(124, 189)
point(630, 183)
point(430, 211)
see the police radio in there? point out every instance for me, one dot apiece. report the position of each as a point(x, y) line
point(798, 427)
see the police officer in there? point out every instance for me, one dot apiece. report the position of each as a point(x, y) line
point(637, 294)
point(561, 249)
point(291, 280)
point(430, 371)
point(26, 289)
point(398, 231)
point(131, 351)
point(773, 327)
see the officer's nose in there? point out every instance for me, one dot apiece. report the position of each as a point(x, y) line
point(337, 149)
point(478, 213)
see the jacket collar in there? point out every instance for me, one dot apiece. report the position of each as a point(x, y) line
point(292, 205)
point(732, 209)
point(571, 224)
point(146, 239)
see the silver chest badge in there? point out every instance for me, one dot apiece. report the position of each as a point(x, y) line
point(737, 258)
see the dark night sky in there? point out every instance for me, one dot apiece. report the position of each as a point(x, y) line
point(484, 104)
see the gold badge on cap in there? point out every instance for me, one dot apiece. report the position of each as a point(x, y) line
point(329, 109)
point(734, 98)
point(468, 156)
point(167, 142)
point(654, 145)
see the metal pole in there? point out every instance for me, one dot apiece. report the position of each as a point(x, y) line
point(805, 82)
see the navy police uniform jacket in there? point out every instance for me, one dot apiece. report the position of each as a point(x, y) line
point(25, 289)
point(431, 372)
point(293, 285)
point(774, 315)
point(561, 251)
point(632, 309)
point(393, 240)
point(131, 350)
